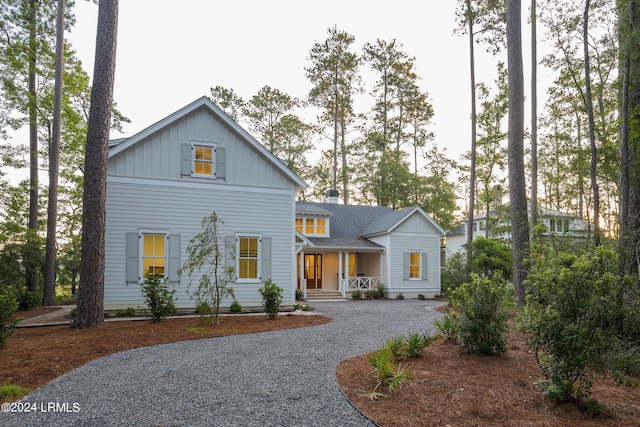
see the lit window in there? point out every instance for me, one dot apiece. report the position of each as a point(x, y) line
point(299, 224)
point(352, 265)
point(309, 226)
point(153, 254)
point(248, 257)
point(414, 265)
point(203, 160)
point(320, 226)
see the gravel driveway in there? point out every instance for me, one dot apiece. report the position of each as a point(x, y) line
point(280, 378)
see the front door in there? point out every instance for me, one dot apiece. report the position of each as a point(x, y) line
point(313, 270)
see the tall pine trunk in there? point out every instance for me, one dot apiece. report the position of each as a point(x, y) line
point(472, 172)
point(517, 183)
point(534, 117)
point(592, 131)
point(49, 290)
point(90, 309)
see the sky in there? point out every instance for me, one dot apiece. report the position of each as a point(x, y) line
point(168, 56)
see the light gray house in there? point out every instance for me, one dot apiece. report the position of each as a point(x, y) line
point(343, 248)
point(497, 225)
point(164, 180)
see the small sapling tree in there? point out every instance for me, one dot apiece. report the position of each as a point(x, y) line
point(271, 298)
point(205, 266)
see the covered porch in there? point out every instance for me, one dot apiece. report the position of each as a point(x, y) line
point(321, 270)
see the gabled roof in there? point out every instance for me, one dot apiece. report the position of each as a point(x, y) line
point(116, 147)
point(387, 223)
point(351, 225)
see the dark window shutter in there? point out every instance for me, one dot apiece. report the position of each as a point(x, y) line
point(221, 160)
point(265, 261)
point(406, 271)
point(425, 269)
point(132, 257)
point(186, 161)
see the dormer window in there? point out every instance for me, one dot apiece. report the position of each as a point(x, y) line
point(313, 226)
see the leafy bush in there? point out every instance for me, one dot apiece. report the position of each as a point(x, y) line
point(158, 298)
point(27, 299)
point(380, 291)
point(235, 307)
point(570, 319)
point(490, 257)
point(8, 306)
point(454, 273)
point(356, 294)
point(271, 298)
point(299, 294)
point(483, 315)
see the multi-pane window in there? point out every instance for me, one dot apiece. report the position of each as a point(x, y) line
point(248, 257)
point(203, 160)
point(414, 265)
point(558, 225)
point(154, 254)
point(313, 226)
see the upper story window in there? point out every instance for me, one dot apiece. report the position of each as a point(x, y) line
point(203, 159)
point(558, 225)
point(313, 226)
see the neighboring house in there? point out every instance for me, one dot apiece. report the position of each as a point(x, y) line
point(164, 180)
point(557, 224)
point(342, 248)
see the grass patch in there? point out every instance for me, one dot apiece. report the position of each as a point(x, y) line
point(13, 391)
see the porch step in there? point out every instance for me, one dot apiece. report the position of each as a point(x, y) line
point(319, 295)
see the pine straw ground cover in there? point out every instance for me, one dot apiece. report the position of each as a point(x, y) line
point(34, 356)
point(450, 388)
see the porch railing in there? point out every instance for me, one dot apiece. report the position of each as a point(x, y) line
point(359, 283)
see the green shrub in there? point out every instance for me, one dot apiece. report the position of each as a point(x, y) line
point(570, 319)
point(483, 315)
point(414, 344)
point(271, 298)
point(386, 374)
point(449, 327)
point(380, 291)
point(8, 306)
point(395, 347)
point(356, 294)
point(126, 312)
point(235, 307)
point(299, 294)
point(158, 298)
point(491, 257)
point(454, 273)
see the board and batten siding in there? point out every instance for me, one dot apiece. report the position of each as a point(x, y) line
point(158, 156)
point(415, 234)
point(178, 208)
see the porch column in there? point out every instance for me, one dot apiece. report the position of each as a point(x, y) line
point(382, 269)
point(340, 282)
point(303, 283)
point(346, 268)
